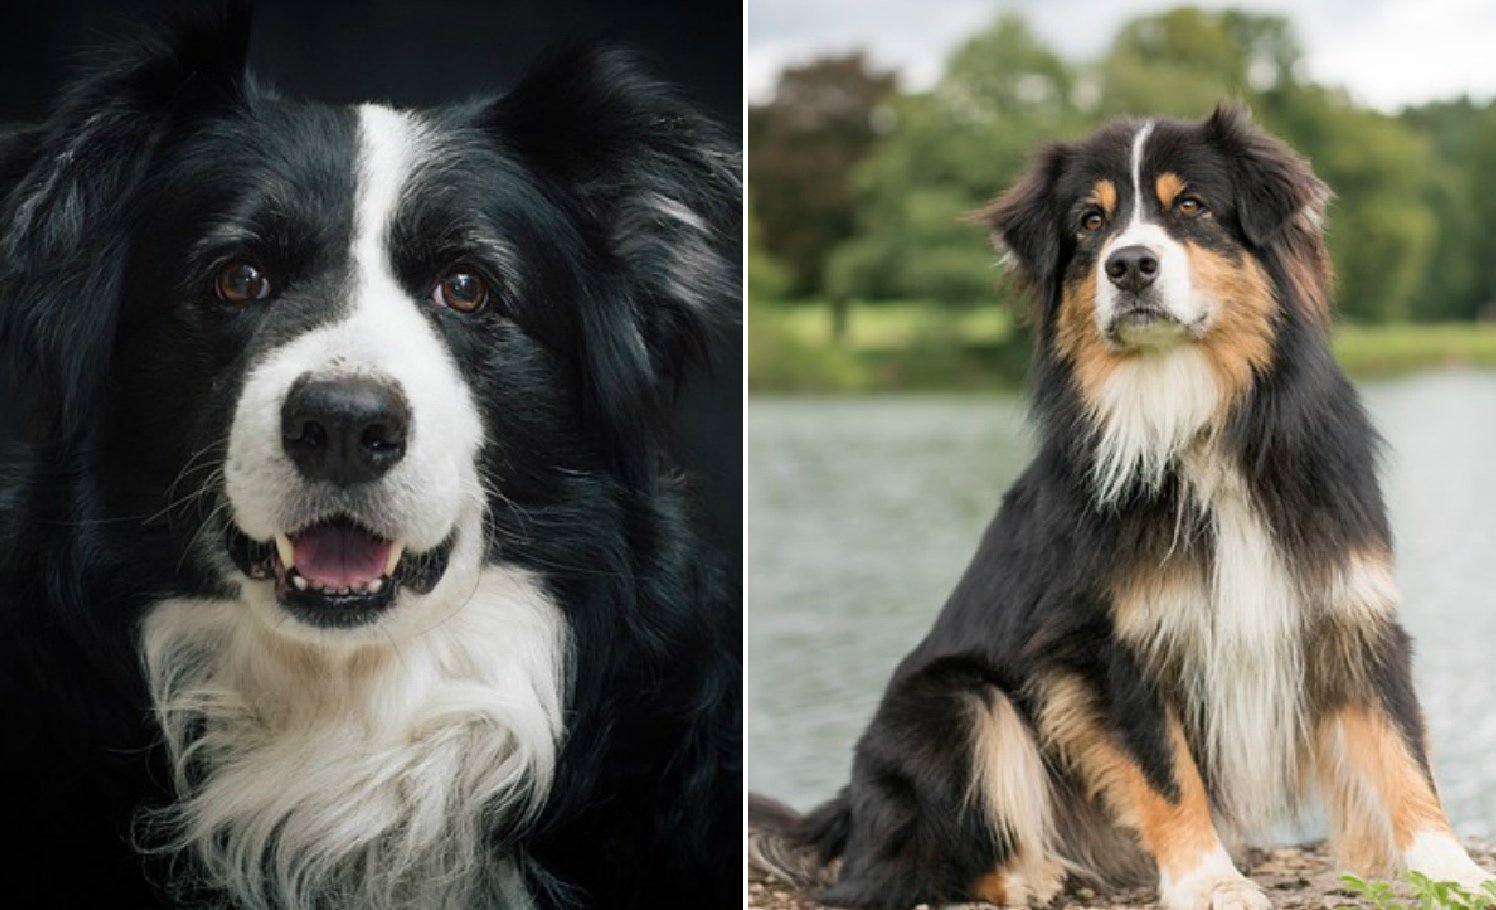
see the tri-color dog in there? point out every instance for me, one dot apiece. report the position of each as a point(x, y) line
point(1182, 619)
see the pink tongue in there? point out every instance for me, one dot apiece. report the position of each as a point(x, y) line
point(339, 555)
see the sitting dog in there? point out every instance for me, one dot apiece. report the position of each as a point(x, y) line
point(346, 564)
point(1182, 617)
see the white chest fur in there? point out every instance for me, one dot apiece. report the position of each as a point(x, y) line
point(1228, 641)
point(370, 777)
point(1228, 638)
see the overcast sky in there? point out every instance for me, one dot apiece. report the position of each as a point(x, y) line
point(1388, 53)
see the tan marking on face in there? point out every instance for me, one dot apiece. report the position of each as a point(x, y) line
point(1178, 834)
point(1377, 790)
point(1077, 340)
point(1239, 342)
point(1168, 187)
point(1104, 194)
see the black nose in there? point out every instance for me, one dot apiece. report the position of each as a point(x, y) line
point(1132, 268)
point(344, 431)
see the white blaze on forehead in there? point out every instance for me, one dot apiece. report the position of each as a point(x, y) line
point(1138, 141)
point(389, 142)
point(382, 332)
point(1173, 289)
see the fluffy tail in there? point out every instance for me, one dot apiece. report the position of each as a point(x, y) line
point(796, 848)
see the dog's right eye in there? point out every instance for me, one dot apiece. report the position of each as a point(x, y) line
point(1092, 220)
point(240, 282)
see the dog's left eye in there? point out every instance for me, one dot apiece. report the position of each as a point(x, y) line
point(240, 282)
point(1189, 205)
point(464, 292)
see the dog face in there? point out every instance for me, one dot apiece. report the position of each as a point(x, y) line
point(335, 353)
point(1171, 261)
point(1155, 234)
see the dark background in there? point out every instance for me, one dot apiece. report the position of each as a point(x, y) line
point(424, 52)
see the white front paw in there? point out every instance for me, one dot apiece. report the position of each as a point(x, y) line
point(1214, 884)
point(1240, 894)
point(1443, 859)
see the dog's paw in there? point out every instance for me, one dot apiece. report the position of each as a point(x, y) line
point(1035, 886)
point(1444, 859)
point(1242, 894)
point(1213, 885)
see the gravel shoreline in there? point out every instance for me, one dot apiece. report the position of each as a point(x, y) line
point(1295, 877)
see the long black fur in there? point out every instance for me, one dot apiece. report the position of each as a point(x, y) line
point(124, 380)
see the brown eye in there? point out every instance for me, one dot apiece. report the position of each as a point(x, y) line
point(240, 282)
point(1189, 205)
point(464, 292)
point(1092, 220)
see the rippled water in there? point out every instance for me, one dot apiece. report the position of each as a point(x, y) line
point(862, 513)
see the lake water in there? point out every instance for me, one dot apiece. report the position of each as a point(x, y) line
point(863, 512)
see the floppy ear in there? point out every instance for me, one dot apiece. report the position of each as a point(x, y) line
point(1279, 203)
point(66, 187)
point(658, 190)
point(1023, 221)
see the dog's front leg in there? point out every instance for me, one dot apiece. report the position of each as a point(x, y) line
point(1386, 815)
point(1164, 801)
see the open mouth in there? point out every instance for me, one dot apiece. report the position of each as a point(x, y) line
point(336, 572)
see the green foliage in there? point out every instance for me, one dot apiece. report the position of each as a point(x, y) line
point(802, 149)
point(767, 278)
point(1426, 894)
point(779, 360)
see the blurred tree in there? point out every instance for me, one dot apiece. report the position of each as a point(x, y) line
point(767, 278)
point(1456, 283)
point(1176, 63)
point(802, 148)
point(1003, 92)
point(1479, 192)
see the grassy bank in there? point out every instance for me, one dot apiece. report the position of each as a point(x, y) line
point(915, 346)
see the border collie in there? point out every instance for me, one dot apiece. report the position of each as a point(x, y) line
point(1181, 621)
point(345, 563)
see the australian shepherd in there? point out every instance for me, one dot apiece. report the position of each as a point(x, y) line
point(345, 564)
point(1181, 621)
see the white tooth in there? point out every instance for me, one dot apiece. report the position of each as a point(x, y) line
point(397, 549)
point(300, 582)
point(375, 586)
point(286, 551)
point(345, 590)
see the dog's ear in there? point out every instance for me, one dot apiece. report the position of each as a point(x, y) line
point(1279, 203)
point(1024, 223)
point(658, 190)
point(66, 187)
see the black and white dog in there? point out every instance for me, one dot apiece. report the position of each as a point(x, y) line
point(345, 565)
